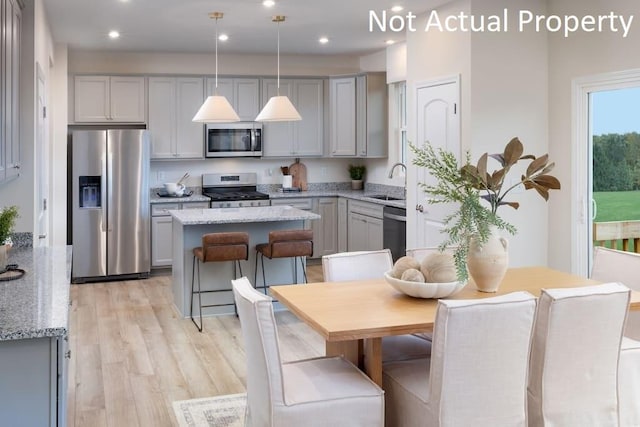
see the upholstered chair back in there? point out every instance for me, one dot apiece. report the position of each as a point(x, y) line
point(479, 361)
point(361, 265)
point(574, 356)
point(610, 265)
point(260, 335)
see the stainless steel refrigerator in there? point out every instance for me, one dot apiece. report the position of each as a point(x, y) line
point(110, 204)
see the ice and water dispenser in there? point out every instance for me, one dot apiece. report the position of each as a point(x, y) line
point(90, 191)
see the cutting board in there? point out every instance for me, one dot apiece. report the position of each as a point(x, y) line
point(299, 173)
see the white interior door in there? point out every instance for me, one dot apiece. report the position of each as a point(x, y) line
point(42, 163)
point(438, 123)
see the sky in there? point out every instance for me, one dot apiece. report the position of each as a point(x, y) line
point(616, 111)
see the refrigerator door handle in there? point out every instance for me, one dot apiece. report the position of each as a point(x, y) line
point(103, 193)
point(109, 191)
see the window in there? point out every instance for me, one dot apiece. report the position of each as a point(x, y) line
point(398, 120)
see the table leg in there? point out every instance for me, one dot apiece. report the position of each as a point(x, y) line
point(373, 359)
point(348, 349)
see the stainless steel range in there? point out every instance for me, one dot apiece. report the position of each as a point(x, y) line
point(233, 190)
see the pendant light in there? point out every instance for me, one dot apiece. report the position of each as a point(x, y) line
point(279, 108)
point(216, 108)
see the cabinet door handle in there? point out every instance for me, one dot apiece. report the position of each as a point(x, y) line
point(420, 208)
point(67, 355)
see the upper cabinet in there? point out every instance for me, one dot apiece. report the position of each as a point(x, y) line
point(359, 116)
point(173, 101)
point(10, 29)
point(242, 93)
point(109, 99)
point(304, 138)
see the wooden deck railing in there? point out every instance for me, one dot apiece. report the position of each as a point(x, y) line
point(623, 235)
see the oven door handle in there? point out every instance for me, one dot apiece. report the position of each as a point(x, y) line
point(396, 217)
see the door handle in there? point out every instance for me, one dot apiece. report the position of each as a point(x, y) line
point(594, 209)
point(42, 236)
point(420, 208)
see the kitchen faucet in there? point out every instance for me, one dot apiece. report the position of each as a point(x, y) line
point(405, 175)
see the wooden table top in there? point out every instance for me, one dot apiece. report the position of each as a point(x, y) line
point(342, 311)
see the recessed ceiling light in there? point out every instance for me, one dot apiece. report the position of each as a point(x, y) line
point(389, 42)
point(223, 37)
point(268, 3)
point(323, 40)
point(113, 34)
point(397, 9)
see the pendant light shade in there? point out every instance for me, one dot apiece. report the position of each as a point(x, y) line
point(216, 108)
point(279, 108)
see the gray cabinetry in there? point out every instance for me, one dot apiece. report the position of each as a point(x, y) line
point(161, 234)
point(364, 226)
point(173, 101)
point(342, 224)
point(109, 99)
point(10, 30)
point(242, 93)
point(325, 230)
point(359, 116)
point(304, 138)
point(34, 381)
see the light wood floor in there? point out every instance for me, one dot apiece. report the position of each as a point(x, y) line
point(132, 356)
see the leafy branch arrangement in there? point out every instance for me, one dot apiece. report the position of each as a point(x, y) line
point(8, 218)
point(463, 185)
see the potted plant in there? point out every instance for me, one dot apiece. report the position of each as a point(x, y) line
point(8, 217)
point(356, 172)
point(471, 229)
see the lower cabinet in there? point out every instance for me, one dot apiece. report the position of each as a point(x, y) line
point(325, 229)
point(161, 234)
point(34, 381)
point(364, 226)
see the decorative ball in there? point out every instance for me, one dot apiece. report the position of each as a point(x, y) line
point(412, 275)
point(439, 268)
point(402, 264)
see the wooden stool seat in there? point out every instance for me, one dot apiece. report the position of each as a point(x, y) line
point(285, 244)
point(217, 247)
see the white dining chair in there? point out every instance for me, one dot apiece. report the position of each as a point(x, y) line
point(610, 265)
point(326, 391)
point(573, 373)
point(363, 265)
point(477, 373)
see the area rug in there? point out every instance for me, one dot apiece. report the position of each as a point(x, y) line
point(218, 411)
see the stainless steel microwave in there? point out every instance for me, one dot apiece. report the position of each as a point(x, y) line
point(240, 139)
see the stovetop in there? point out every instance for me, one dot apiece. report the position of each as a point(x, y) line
point(233, 195)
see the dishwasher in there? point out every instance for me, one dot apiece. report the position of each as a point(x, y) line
point(394, 230)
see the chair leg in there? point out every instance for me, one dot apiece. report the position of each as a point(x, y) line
point(199, 296)
point(193, 273)
point(295, 270)
point(304, 270)
point(264, 277)
point(237, 261)
point(255, 271)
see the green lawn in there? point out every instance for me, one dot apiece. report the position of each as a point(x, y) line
point(617, 205)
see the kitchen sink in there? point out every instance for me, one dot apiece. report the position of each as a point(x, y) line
point(384, 197)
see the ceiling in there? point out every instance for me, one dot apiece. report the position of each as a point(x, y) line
point(184, 25)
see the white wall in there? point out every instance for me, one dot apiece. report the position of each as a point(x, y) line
point(58, 114)
point(582, 54)
point(502, 94)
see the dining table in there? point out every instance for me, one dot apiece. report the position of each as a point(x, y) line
point(354, 316)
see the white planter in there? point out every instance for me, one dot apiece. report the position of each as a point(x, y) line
point(488, 263)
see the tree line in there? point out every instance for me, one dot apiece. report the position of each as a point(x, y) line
point(616, 162)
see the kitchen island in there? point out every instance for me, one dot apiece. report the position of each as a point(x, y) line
point(34, 319)
point(189, 226)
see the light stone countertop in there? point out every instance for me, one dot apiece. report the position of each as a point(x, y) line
point(349, 194)
point(240, 215)
point(37, 304)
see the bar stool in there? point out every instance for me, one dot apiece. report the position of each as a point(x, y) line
point(218, 247)
point(285, 244)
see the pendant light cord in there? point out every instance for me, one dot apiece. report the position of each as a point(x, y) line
point(215, 92)
point(278, 88)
